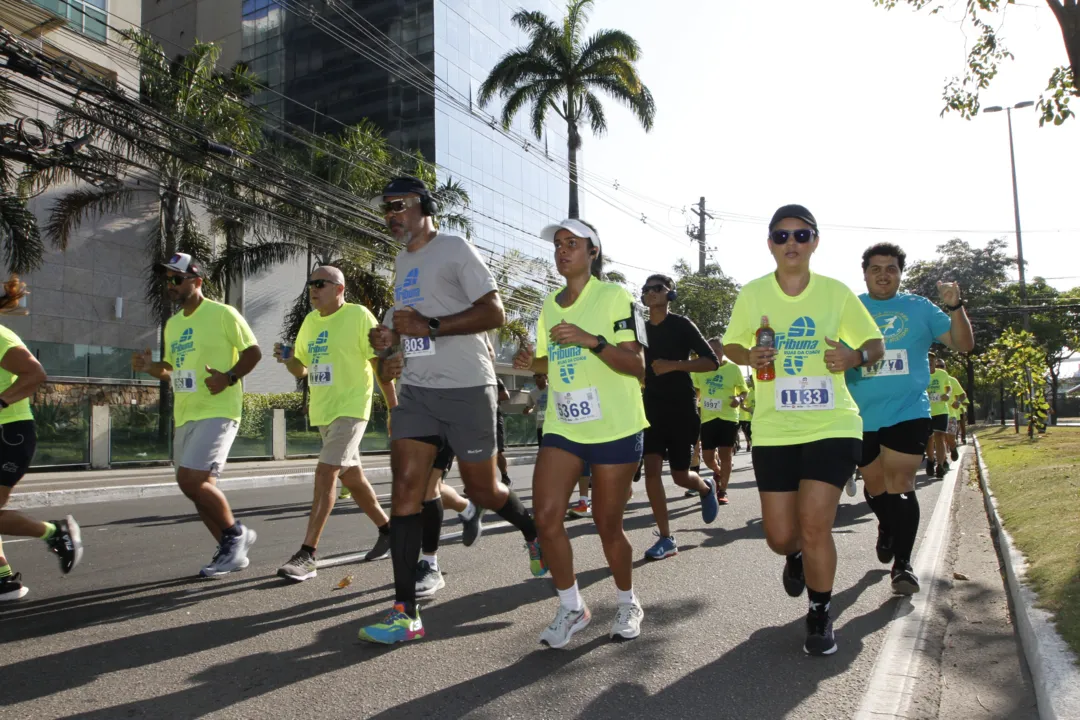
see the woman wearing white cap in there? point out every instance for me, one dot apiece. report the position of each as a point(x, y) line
point(594, 415)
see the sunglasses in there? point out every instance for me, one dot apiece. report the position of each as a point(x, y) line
point(395, 207)
point(802, 236)
point(320, 284)
point(178, 279)
point(654, 288)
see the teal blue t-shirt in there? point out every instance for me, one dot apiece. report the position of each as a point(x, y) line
point(894, 389)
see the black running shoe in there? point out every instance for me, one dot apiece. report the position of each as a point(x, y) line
point(904, 580)
point(507, 481)
point(955, 454)
point(11, 588)
point(819, 634)
point(941, 470)
point(381, 549)
point(929, 466)
point(67, 543)
point(884, 545)
point(471, 529)
point(794, 579)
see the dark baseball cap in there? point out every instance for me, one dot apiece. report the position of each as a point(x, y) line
point(793, 211)
point(405, 185)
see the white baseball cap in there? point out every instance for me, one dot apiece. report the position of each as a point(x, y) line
point(183, 263)
point(577, 227)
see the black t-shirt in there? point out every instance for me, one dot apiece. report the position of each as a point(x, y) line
point(673, 339)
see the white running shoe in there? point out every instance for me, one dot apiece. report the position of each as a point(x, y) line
point(852, 487)
point(627, 623)
point(231, 554)
point(566, 623)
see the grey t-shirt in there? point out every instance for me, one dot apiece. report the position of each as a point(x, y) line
point(444, 277)
point(538, 401)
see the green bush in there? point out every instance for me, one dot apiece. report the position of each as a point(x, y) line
point(258, 405)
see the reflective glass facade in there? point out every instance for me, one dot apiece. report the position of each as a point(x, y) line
point(511, 181)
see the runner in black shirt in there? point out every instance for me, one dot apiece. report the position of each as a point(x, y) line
point(671, 408)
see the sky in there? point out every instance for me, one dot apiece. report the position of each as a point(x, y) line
point(833, 104)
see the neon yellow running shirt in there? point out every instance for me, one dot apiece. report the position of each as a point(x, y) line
point(336, 351)
point(19, 410)
point(939, 385)
point(746, 413)
point(718, 388)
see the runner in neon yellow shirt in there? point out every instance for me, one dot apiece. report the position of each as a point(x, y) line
point(940, 391)
point(208, 348)
point(956, 410)
point(807, 429)
point(20, 376)
point(589, 344)
point(722, 393)
point(334, 354)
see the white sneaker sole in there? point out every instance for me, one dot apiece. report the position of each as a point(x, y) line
point(851, 488)
point(16, 595)
point(218, 572)
point(579, 625)
point(428, 593)
point(282, 573)
point(627, 633)
point(76, 540)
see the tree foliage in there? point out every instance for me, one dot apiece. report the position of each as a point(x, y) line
point(987, 52)
point(562, 70)
point(705, 297)
point(1015, 360)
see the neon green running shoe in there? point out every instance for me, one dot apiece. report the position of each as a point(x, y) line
point(536, 559)
point(344, 493)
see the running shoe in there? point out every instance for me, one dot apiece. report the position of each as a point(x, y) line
point(819, 634)
point(67, 543)
point(627, 625)
point(884, 545)
point(566, 623)
point(955, 454)
point(11, 588)
point(793, 577)
point(904, 580)
point(710, 508)
point(940, 473)
point(691, 493)
point(581, 509)
point(396, 627)
point(231, 554)
point(945, 465)
point(428, 580)
point(507, 481)
point(852, 487)
point(536, 559)
point(929, 466)
point(471, 529)
point(721, 497)
point(663, 548)
point(381, 549)
point(344, 493)
point(300, 567)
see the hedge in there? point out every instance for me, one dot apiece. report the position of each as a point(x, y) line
point(257, 406)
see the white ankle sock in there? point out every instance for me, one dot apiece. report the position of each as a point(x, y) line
point(431, 560)
point(625, 596)
point(571, 598)
point(469, 511)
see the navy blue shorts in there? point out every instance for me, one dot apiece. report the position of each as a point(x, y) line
point(623, 451)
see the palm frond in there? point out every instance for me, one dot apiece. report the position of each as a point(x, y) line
point(593, 109)
point(254, 258)
point(19, 234)
point(70, 210)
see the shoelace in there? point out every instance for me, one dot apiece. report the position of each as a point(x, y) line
point(623, 614)
point(534, 549)
point(561, 619)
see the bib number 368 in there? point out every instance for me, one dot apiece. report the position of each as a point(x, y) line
point(578, 406)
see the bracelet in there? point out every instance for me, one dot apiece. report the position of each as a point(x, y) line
point(954, 308)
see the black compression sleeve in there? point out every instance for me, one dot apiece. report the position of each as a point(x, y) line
point(697, 342)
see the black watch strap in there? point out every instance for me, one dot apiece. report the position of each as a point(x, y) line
point(954, 308)
point(600, 344)
point(233, 378)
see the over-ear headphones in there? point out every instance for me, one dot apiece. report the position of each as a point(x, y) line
point(428, 205)
point(671, 295)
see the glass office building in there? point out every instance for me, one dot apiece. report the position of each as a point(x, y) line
point(515, 183)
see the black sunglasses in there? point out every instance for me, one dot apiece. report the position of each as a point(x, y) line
point(178, 279)
point(654, 288)
point(320, 284)
point(397, 206)
point(802, 236)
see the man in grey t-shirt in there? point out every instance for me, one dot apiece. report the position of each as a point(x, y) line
point(444, 300)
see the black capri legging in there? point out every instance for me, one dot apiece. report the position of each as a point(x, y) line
point(745, 425)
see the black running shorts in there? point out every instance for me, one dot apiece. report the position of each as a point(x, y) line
point(444, 460)
point(18, 440)
point(745, 425)
point(780, 468)
point(940, 423)
point(672, 433)
point(908, 437)
point(718, 433)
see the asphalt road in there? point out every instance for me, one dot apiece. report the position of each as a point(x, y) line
point(130, 633)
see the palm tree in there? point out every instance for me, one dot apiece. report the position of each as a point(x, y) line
point(166, 169)
point(561, 70)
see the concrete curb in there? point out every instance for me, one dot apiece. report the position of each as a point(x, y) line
point(891, 686)
point(1052, 664)
point(81, 496)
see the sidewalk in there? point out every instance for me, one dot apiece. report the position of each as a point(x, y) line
point(83, 486)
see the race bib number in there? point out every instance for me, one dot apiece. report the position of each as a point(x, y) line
point(183, 381)
point(712, 404)
point(321, 374)
point(578, 406)
point(417, 346)
point(894, 362)
point(935, 397)
point(804, 393)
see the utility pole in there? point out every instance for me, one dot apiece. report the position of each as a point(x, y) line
point(699, 232)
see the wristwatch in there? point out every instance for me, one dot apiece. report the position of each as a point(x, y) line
point(433, 327)
point(601, 343)
point(233, 378)
point(957, 306)
point(865, 355)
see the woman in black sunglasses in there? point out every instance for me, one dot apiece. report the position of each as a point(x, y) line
point(807, 428)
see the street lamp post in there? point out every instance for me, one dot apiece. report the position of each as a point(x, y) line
point(1016, 206)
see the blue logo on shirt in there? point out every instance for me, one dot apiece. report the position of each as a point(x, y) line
point(715, 384)
point(320, 347)
point(797, 345)
point(566, 358)
point(408, 293)
point(183, 346)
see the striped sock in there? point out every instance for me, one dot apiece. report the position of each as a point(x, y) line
point(5, 571)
